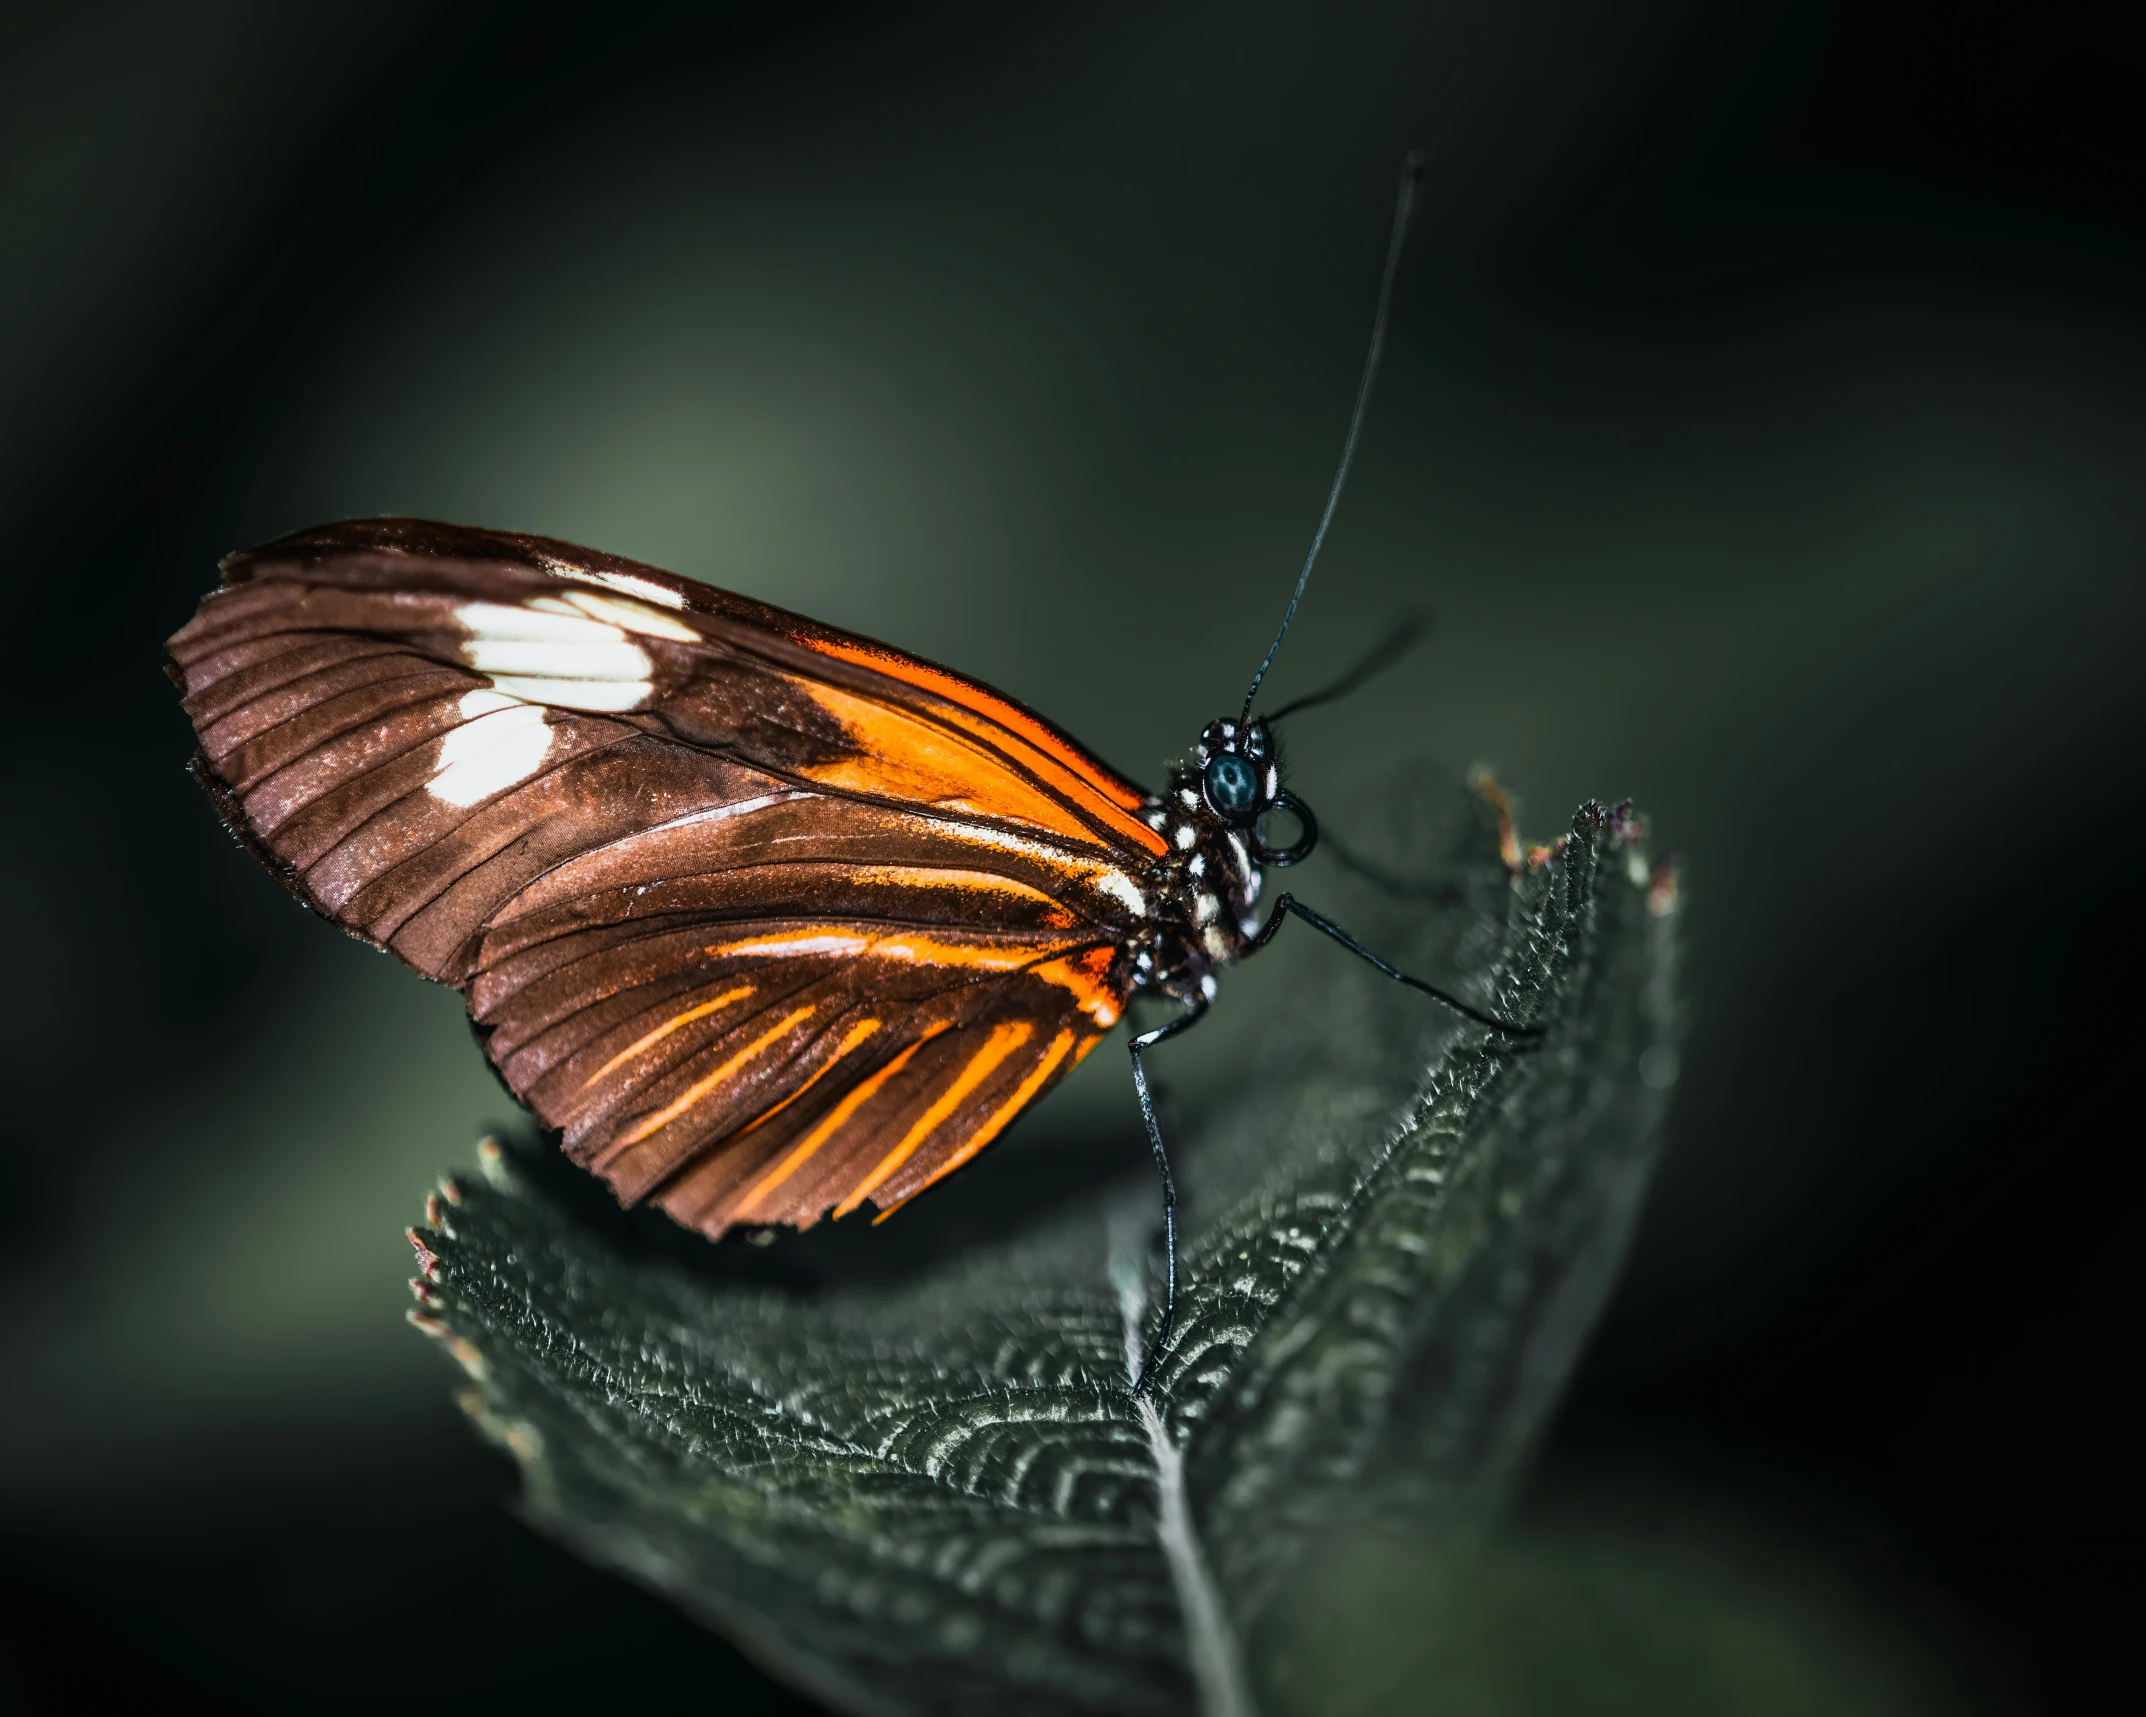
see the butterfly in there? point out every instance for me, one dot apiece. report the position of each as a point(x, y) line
point(764, 919)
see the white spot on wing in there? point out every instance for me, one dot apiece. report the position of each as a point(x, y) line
point(599, 695)
point(484, 700)
point(547, 651)
point(593, 661)
point(634, 616)
point(1186, 834)
point(1206, 909)
point(632, 586)
point(785, 947)
point(488, 621)
point(490, 754)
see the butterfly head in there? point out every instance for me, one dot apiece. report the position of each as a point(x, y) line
point(1241, 779)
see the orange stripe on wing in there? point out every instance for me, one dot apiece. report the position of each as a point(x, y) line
point(701, 1087)
point(971, 696)
point(1107, 804)
point(952, 767)
point(905, 756)
point(930, 951)
point(1089, 978)
point(1023, 1094)
point(667, 1027)
point(856, 1035)
point(916, 948)
point(841, 1112)
point(1003, 1041)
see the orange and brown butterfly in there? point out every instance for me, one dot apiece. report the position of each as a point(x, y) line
point(764, 919)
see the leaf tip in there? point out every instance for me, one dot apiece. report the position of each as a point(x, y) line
point(519, 1438)
point(1662, 889)
point(464, 1355)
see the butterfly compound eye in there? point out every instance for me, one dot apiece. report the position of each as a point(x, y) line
point(1232, 785)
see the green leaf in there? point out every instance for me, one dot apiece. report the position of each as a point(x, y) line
point(939, 1495)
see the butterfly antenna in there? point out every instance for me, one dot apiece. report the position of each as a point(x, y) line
point(1404, 207)
point(1407, 632)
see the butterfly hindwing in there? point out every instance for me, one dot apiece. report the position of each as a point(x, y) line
point(763, 918)
point(894, 1123)
point(838, 1059)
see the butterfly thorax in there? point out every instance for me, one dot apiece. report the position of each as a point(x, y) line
point(1203, 893)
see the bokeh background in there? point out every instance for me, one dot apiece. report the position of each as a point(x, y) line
point(1762, 424)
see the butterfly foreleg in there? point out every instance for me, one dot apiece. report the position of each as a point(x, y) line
point(1326, 927)
point(1195, 1010)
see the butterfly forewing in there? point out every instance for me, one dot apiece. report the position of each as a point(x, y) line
point(764, 918)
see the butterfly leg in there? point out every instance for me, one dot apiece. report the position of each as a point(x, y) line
point(1195, 1010)
point(1326, 927)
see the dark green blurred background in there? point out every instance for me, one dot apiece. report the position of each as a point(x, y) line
point(1762, 424)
